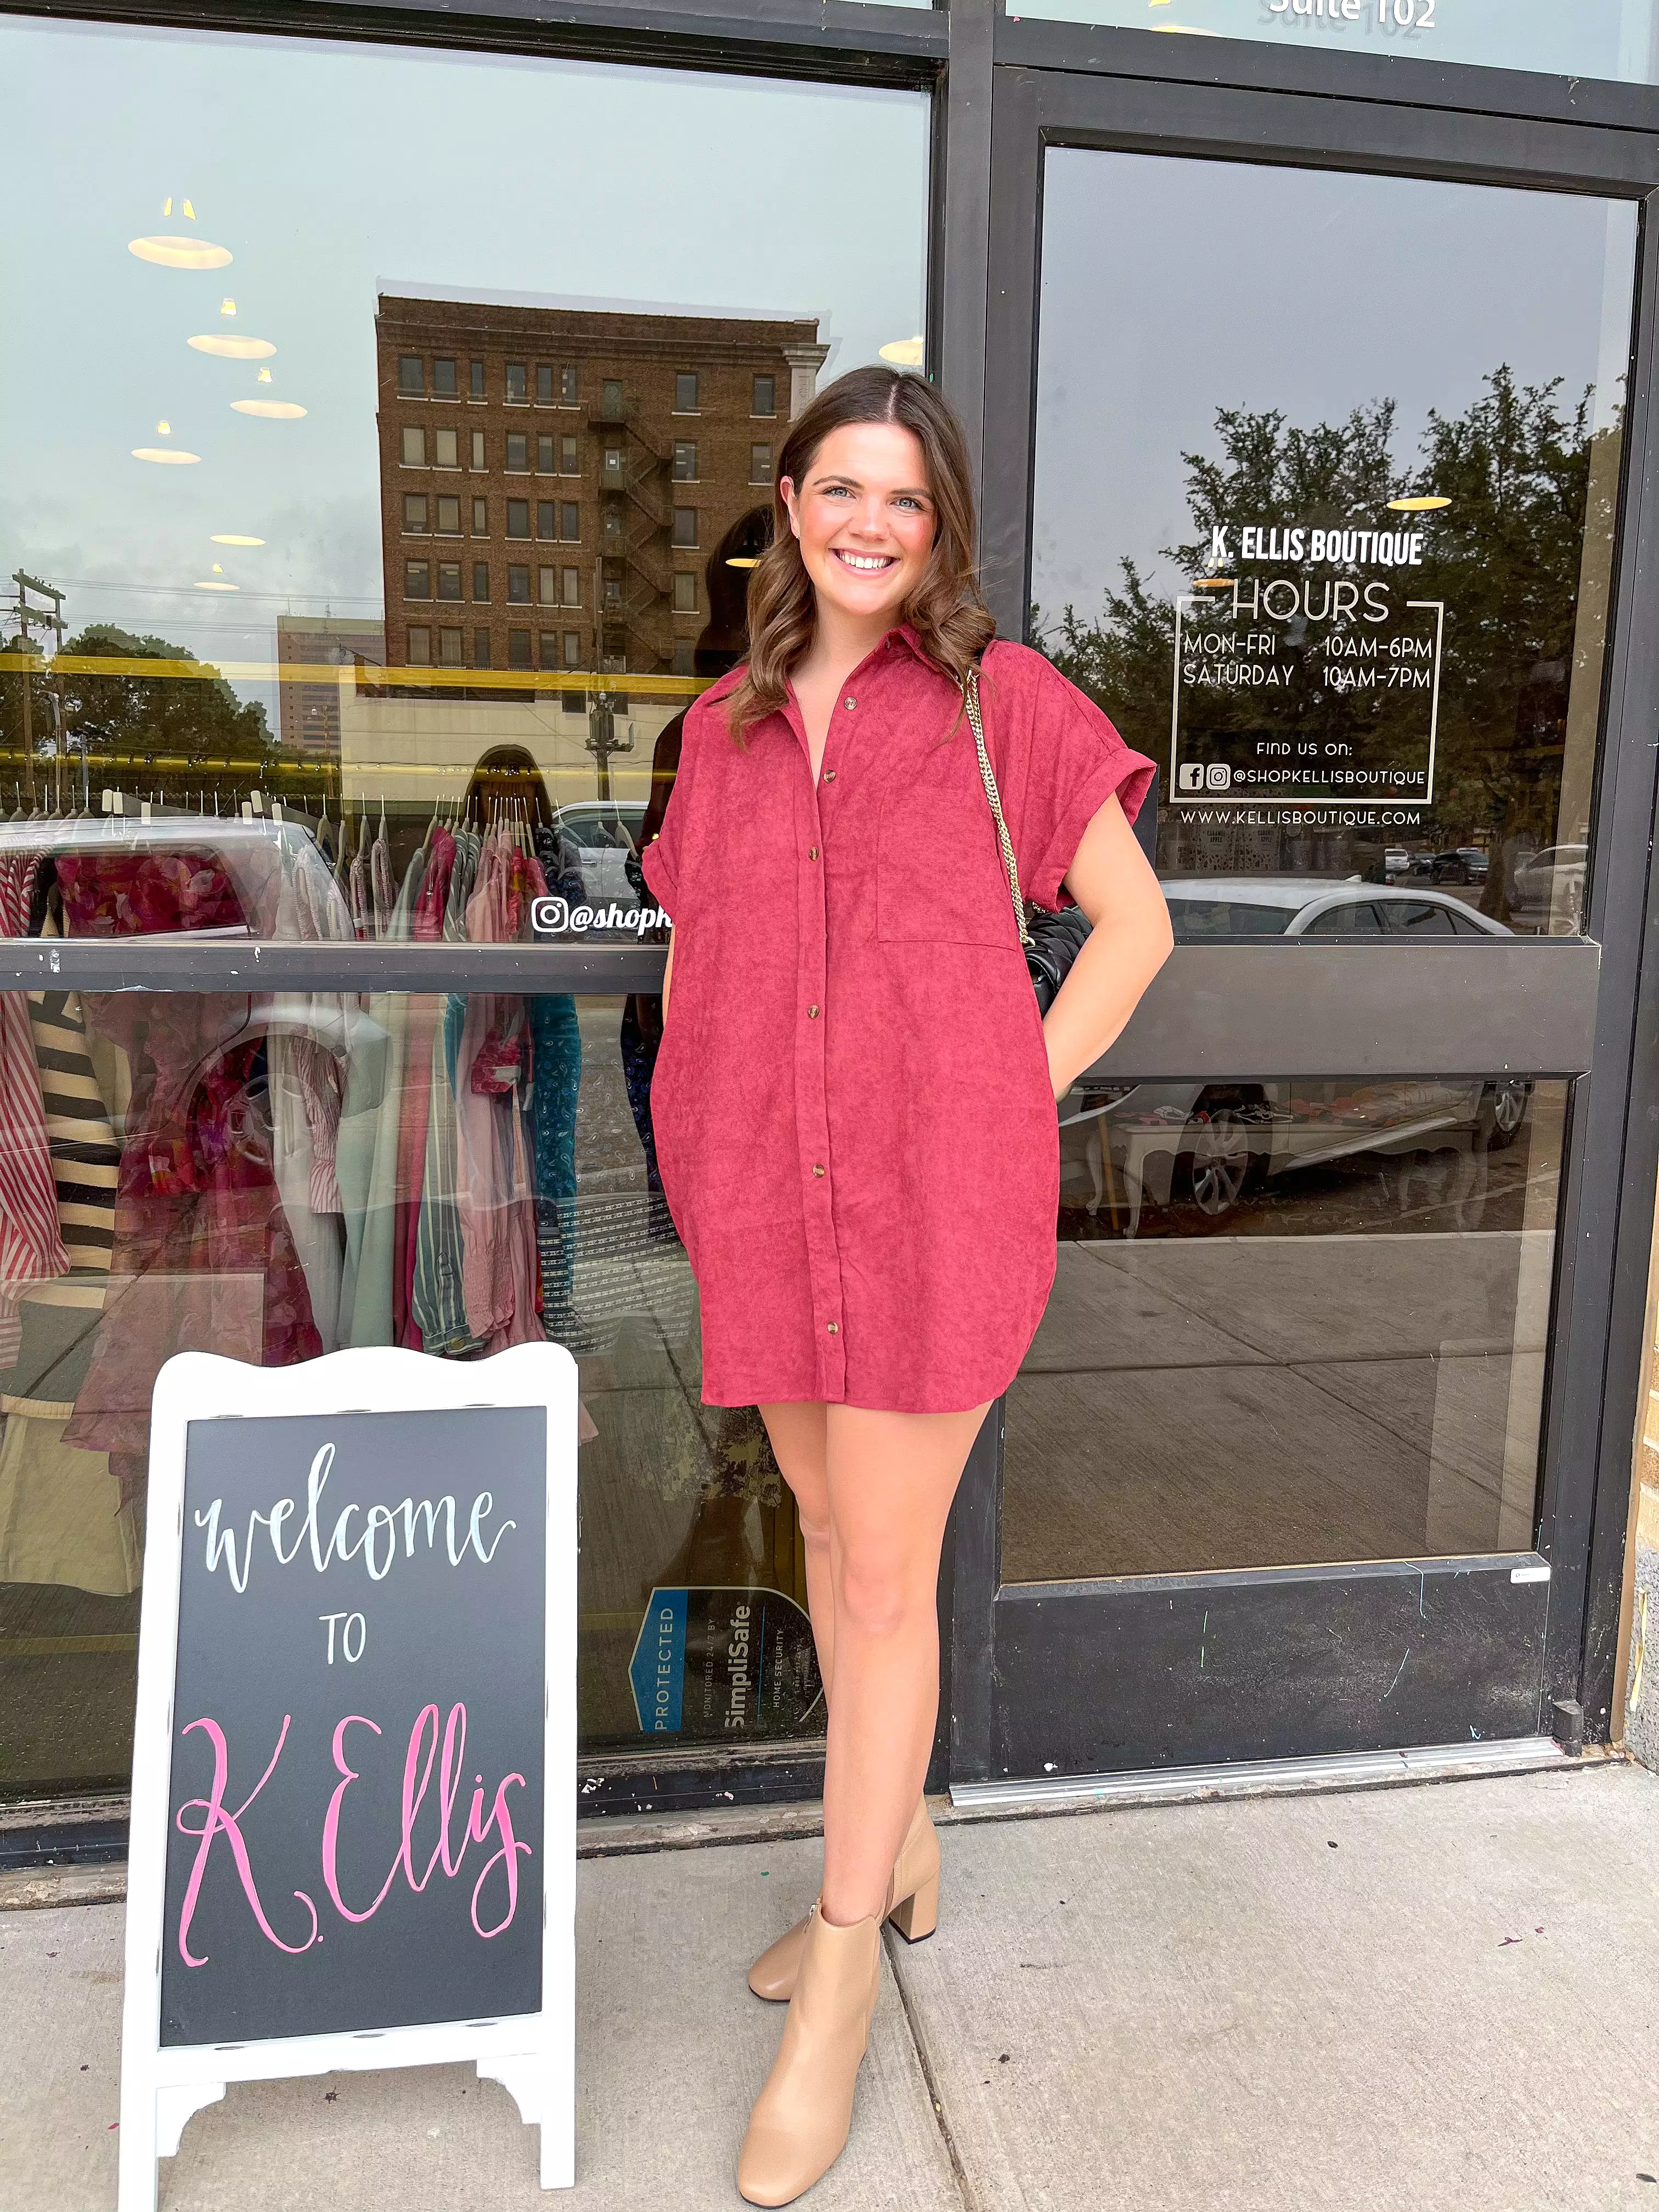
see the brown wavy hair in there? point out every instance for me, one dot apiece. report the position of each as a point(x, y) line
point(946, 608)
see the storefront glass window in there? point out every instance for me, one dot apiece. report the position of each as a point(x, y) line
point(1324, 518)
point(247, 691)
point(1568, 38)
point(275, 1177)
point(222, 508)
point(1293, 1322)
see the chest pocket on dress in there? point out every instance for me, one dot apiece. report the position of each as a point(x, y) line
point(939, 878)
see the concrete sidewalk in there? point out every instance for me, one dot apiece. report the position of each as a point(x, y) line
point(1443, 1998)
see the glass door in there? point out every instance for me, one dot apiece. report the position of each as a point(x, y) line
point(1320, 507)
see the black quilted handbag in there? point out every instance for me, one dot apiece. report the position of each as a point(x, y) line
point(1051, 941)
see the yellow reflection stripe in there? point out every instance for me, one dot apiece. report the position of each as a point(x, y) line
point(371, 678)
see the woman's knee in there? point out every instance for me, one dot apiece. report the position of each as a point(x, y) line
point(877, 1595)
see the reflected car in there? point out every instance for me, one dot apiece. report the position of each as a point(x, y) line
point(1466, 865)
point(605, 832)
point(1223, 908)
point(1209, 1145)
point(1547, 888)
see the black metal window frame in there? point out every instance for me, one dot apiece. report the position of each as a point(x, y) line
point(1557, 1006)
point(984, 70)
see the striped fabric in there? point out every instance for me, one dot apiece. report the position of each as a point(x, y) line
point(85, 1159)
point(30, 1249)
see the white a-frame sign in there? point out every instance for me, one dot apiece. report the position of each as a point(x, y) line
point(354, 1777)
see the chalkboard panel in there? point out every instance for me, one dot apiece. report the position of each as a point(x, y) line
point(354, 1814)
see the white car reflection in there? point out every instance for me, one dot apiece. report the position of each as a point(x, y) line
point(1211, 1146)
point(604, 833)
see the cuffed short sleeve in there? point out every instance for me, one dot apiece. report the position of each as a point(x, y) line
point(1075, 762)
point(657, 863)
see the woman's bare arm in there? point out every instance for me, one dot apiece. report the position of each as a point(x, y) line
point(1128, 942)
point(668, 969)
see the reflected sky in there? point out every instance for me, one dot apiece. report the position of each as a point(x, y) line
point(1171, 288)
point(335, 171)
point(1576, 38)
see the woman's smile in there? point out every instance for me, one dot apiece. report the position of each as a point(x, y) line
point(863, 563)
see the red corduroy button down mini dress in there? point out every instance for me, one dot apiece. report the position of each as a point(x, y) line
point(854, 1116)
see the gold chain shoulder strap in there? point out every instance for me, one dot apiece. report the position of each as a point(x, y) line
point(970, 701)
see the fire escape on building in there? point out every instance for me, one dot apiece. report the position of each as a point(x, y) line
point(634, 584)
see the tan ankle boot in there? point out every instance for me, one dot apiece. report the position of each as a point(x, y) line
point(798, 2127)
point(912, 1906)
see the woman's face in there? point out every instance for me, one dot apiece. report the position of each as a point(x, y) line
point(865, 517)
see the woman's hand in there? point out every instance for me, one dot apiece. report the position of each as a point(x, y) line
point(1128, 942)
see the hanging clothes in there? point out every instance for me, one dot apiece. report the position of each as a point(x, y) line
point(306, 1042)
point(437, 1299)
point(31, 1244)
point(495, 1192)
point(204, 1258)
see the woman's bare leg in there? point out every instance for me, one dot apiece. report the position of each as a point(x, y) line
point(890, 1482)
point(797, 1431)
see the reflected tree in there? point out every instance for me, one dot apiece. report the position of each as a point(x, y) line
point(1533, 492)
point(165, 735)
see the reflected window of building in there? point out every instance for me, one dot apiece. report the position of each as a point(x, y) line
point(518, 518)
point(544, 394)
point(411, 376)
point(685, 525)
point(686, 384)
point(420, 646)
point(760, 465)
point(413, 445)
point(518, 647)
point(547, 518)
point(572, 587)
point(685, 591)
point(763, 395)
point(417, 580)
point(476, 380)
point(572, 658)
point(611, 463)
point(449, 647)
point(685, 461)
point(517, 384)
point(481, 648)
point(547, 463)
point(481, 582)
point(610, 398)
point(518, 453)
point(547, 647)
point(415, 511)
point(478, 460)
point(567, 385)
point(443, 380)
point(449, 580)
point(446, 449)
point(570, 521)
point(569, 457)
point(547, 581)
point(481, 517)
point(449, 517)
point(686, 656)
point(517, 585)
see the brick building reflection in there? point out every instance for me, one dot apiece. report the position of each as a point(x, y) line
point(553, 477)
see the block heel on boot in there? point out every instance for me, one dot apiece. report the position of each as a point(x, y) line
point(916, 1916)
